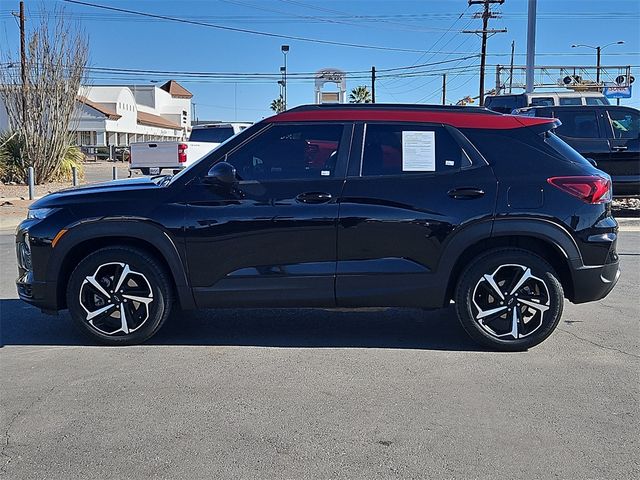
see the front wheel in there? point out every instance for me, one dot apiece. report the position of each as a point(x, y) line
point(119, 296)
point(509, 299)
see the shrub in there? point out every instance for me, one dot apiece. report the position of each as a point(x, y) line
point(11, 166)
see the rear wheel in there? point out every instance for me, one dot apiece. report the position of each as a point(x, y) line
point(119, 296)
point(509, 299)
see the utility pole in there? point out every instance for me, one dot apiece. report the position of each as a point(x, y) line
point(23, 61)
point(444, 89)
point(598, 48)
point(513, 51)
point(485, 15)
point(373, 84)
point(531, 45)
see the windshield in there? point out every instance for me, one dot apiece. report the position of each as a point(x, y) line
point(211, 134)
point(564, 150)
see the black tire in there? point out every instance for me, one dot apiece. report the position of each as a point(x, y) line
point(145, 295)
point(145, 170)
point(532, 323)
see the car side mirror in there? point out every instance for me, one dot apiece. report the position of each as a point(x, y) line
point(222, 174)
point(591, 161)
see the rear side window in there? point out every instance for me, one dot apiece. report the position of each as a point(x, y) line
point(541, 102)
point(625, 123)
point(570, 101)
point(410, 149)
point(578, 123)
point(212, 135)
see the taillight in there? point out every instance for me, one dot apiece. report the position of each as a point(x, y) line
point(590, 189)
point(182, 152)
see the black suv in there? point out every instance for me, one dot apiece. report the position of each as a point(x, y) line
point(337, 206)
point(608, 134)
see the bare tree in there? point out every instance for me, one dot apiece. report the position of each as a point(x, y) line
point(56, 56)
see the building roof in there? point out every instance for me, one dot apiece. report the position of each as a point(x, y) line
point(176, 90)
point(103, 109)
point(461, 117)
point(156, 121)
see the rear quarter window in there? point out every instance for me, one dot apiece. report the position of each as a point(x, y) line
point(522, 147)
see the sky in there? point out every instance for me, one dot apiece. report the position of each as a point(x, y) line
point(402, 33)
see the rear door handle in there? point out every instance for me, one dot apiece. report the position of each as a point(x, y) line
point(465, 193)
point(620, 148)
point(314, 197)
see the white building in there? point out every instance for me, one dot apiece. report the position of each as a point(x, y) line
point(120, 115)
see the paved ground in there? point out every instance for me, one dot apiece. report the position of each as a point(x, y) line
point(317, 394)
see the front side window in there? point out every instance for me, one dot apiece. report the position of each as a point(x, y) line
point(625, 123)
point(577, 124)
point(289, 152)
point(597, 101)
point(410, 149)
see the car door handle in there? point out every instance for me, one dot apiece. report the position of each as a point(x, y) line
point(619, 148)
point(314, 197)
point(465, 193)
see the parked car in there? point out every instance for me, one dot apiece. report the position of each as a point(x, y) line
point(508, 103)
point(153, 157)
point(608, 134)
point(337, 206)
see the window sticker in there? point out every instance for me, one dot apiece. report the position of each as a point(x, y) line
point(449, 163)
point(418, 151)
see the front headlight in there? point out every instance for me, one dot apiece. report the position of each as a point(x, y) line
point(40, 213)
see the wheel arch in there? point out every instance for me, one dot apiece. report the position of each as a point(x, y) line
point(543, 238)
point(86, 238)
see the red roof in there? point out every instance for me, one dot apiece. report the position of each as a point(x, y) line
point(459, 119)
point(176, 90)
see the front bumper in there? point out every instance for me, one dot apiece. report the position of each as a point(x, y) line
point(591, 283)
point(38, 294)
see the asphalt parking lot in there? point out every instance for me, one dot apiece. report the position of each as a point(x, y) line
point(391, 393)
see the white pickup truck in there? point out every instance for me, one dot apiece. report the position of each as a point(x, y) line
point(153, 157)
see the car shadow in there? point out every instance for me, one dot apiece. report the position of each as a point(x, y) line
point(21, 324)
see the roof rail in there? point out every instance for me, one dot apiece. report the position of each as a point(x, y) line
point(392, 106)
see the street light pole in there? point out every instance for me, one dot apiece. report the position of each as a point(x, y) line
point(598, 50)
point(285, 50)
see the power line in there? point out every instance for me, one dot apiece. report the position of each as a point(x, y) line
point(244, 30)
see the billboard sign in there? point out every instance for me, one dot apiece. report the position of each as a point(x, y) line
point(617, 92)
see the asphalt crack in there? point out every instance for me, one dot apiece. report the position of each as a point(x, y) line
point(7, 437)
point(605, 347)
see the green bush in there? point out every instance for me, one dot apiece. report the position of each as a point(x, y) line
point(11, 166)
point(72, 158)
point(13, 169)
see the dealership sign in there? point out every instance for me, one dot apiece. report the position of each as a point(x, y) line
point(617, 92)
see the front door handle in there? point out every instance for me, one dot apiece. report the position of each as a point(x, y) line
point(620, 148)
point(465, 193)
point(314, 197)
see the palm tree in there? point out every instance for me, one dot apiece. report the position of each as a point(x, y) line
point(278, 105)
point(360, 94)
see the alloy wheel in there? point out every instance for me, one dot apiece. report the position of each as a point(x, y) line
point(511, 302)
point(116, 299)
